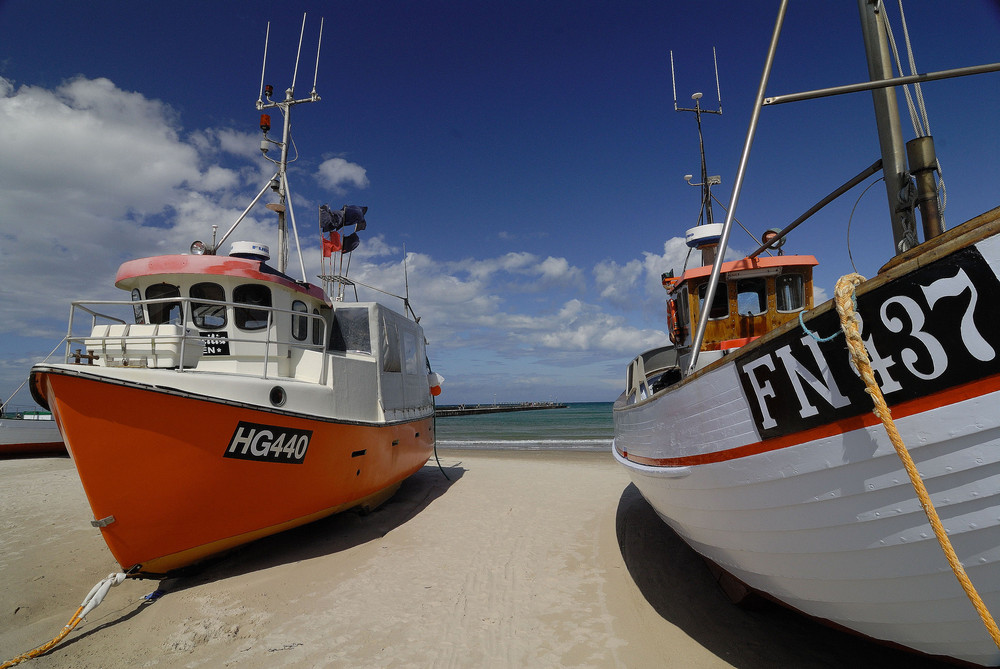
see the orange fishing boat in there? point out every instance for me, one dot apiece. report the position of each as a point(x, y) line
point(226, 400)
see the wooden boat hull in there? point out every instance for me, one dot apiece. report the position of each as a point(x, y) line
point(174, 478)
point(771, 464)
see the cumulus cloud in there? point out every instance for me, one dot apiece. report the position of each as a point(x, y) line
point(337, 173)
point(101, 175)
point(104, 175)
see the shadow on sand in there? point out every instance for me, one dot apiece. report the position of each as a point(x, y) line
point(327, 536)
point(323, 537)
point(678, 584)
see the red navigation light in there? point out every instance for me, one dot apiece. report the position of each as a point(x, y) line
point(265, 122)
point(268, 90)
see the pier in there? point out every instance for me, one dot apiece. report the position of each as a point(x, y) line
point(474, 409)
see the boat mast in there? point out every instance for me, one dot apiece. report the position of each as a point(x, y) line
point(734, 198)
point(279, 183)
point(706, 181)
point(890, 133)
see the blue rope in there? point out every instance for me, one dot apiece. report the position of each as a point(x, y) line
point(814, 335)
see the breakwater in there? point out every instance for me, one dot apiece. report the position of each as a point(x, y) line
point(473, 409)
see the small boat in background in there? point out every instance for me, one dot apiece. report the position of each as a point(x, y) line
point(753, 434)
point(227, 401)
point(29, 432)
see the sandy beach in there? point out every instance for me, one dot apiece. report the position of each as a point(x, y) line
point(518, 559)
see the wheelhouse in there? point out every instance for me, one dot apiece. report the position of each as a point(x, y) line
point(753, 297)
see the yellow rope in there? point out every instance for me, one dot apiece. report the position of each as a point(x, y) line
point(844, 301)
point(46, 647)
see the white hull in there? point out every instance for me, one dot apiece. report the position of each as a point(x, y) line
point(26, 436)
point(801, 495)
point(832, 527)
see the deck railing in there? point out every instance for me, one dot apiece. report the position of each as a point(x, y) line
point(174, 344)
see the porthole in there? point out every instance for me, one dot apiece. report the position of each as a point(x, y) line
point(278, 396)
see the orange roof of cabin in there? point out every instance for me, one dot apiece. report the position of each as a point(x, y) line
point(751, 264)
point(245, 268)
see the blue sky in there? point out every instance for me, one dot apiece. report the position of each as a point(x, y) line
point(526, 153)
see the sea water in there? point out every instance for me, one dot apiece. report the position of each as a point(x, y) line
point(585, 426)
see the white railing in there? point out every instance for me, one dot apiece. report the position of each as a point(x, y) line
point(110, 325)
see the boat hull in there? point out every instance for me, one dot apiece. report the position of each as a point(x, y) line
point(19, 437)
point(173, 478)
point(771, 464)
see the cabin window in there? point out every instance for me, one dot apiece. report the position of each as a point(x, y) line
point(256, 295)
point(300, 324)
point(720, 305)
point(317, 326)
point(411, 351)
point(140, 317)
point(390, 348)
point(790, 290)
point(682, 311)
point(163, 312)
point(208, 316)
point(350, 331)
point(751, 296)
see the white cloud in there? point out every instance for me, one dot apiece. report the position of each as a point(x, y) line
point(336, 173)
point(88, 144)
point(103, 175)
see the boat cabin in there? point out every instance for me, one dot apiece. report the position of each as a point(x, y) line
point(753, 296)
point(236, 315)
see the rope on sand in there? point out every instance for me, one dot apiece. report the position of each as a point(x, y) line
point(90, 602)
point(844, 301)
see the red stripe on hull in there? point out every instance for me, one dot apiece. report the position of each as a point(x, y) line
point(154, 461)
point(919, 405)
point(34, 448)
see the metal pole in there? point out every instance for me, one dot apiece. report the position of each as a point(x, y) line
point(872, 169)
point(291, 214)
point(890, 132)
point(882, 83)
point(737, 185)
point(245, 212)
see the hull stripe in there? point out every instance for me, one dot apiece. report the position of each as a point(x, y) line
point(919, 405)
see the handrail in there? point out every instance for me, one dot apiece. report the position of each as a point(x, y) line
point(98, 315)
point(737, 186)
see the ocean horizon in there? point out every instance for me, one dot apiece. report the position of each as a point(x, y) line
point(580, 426)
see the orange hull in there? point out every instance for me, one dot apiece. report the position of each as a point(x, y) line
point(186, 477)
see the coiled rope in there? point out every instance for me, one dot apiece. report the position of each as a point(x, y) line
point(90, 602)
point(844, 301)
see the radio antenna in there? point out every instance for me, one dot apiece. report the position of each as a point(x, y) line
point(718, 90)
point(706, 181)
point(318, 44)
point(260, 96)
point(295, 74)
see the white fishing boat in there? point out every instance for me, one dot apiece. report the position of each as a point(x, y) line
point(227, 400)
point(753, 434)
point(28, 432)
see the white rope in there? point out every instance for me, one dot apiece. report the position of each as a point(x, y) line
point(99, 591)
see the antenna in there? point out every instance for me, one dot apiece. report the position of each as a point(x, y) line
point(718, 90)
point(279, 182)
point(295, 74)
point(318, 44)
point(260, 96)
point(706, 181)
